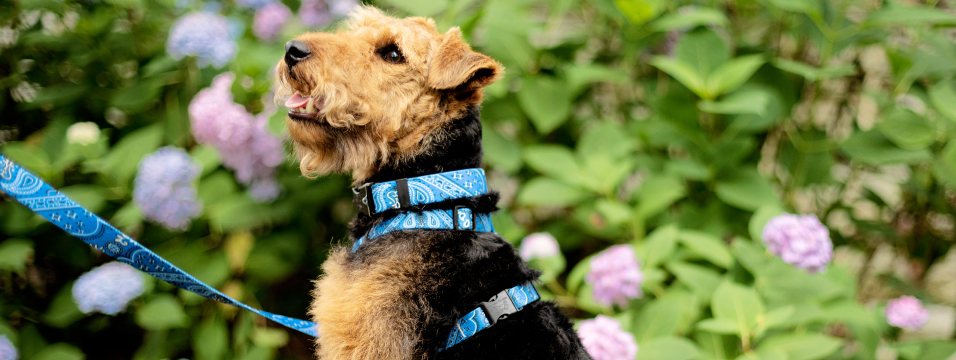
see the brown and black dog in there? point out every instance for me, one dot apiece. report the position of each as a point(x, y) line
point(386, 99)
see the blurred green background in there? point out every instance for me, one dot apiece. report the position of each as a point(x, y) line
point(679, 127)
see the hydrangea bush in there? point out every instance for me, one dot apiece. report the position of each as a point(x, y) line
point(729, 180)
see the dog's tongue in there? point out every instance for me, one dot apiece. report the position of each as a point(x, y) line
point(297, 101)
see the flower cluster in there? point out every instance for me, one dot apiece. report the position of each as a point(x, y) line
point(801, 241)
point(108, 288)
point(83, 133)
point(616, 276)
point(254, 4)
point(604, 339)
point(7, 350)
point(315, 13)
point(906, 312)
point(165, 188)
point(340, 8)
point(243, 140)
point(205, 35)
point(538, 245)
point(269, 20)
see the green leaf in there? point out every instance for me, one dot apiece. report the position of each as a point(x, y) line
point(657, 318)
point(760, 218)
point(746, 189)
point(701, 280)
point(577, 274)
point(908, 130)
point(639, 11)
point(543, 191)
point(659, 245)
point(63, 310)
point(550, 266)
point(161, 313)
point(732, 74)
point(763, 354)
point(737, 303)
point(546, 100)
point(943, 98)
point(799, 6)
point(901, 15)
point(698, 16)
point(211, 339)
point(500, 151)
point(719, 326)
point(419, 7)
point(556, 161)
point(14, 254)
point(123, 159)
point(580, 76)
point(668, 348)
point(753, 101)
point(270, 337)
point(812, 73)
point(807, 346)
point(682, 72)
point(59, 351)
point(614, 211)
point(605, 139)
point(30, 158)
point(707, 246)
point(703, 50)
point(778, 317)
point(657, 193)
point(872, 148)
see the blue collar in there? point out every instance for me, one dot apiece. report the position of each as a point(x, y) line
point(373, 198)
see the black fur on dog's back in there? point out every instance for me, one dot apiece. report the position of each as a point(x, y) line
point(460, 269)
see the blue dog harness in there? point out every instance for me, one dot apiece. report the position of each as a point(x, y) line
point(66, 214)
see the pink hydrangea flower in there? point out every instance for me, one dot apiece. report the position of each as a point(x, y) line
point(165, 188)
point(243, 140)
point(604, 339)
point(616, 276)
point(269, 20)
point(906, 312)
point(315, 13)
point(801, 241)
point(538, 245)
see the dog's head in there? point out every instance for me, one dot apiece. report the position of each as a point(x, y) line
point(376, 92)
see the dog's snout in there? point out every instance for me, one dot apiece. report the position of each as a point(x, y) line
point(296, 51)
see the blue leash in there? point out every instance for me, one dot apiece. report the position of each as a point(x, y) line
point(66, 214)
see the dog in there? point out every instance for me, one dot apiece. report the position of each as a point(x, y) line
point(390, 101)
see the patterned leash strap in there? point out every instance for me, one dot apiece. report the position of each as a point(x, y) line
point(63, 212)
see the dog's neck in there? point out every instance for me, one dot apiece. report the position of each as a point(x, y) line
point(459, 148)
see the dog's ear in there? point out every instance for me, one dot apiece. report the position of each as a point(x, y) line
point(455, 66)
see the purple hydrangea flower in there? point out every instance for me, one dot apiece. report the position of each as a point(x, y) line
point(107, 288)
point(243, 140)
point(538, 245)
point(204, 35)
point(315, 13)
point(7, 350)
point(269, 21)
point(801, 241)
point(604, 339)
point(616, 276)
point(340, 8)
point(906, 312)
point(254, 4)
point(165, 188)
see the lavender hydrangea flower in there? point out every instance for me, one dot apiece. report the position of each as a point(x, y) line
point(604, 339)
point(315, 13)
point(801, 241)
point(269, 21)
point(165, 190)
point(204, 35)
point(340, 8)
point(254, 4)
point(7, 350)
point(906, 312)
point(616, 276)
point(538, 245)
point(243, 140)
point(108, 288)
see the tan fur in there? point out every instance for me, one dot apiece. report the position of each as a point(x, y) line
point(376, 113)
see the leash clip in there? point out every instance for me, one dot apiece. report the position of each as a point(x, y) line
point(362, 199)
point(499, 307)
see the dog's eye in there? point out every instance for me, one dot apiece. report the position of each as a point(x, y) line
point(391, 54)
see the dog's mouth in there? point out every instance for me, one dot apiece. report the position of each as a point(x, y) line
point(303, 108)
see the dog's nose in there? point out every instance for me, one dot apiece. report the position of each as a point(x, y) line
point(296, 51)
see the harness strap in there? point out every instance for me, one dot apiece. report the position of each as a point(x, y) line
point(459, 218)
point(66, 214)
point(488, 313)
point(373, 198)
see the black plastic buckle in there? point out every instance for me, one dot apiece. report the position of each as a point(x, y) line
point(463, 226)
point(362, 199)
point(499, 307)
